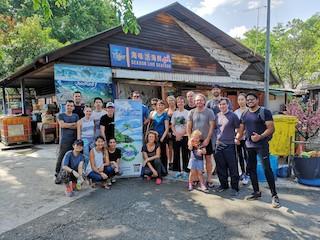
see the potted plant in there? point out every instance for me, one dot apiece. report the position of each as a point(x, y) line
point(306, 162)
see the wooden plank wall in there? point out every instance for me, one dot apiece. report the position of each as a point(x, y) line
point(162, 33)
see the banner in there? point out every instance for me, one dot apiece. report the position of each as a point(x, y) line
point(90, 81)
point(128, 133)
point(129, 57)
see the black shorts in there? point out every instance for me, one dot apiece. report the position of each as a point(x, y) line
point(209, 149)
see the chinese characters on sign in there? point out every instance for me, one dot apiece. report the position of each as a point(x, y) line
point(139, 58)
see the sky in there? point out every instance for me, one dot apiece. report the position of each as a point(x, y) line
point(235, 17)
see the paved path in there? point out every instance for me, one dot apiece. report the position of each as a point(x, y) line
point(135, 209)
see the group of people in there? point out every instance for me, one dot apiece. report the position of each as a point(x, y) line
point(184, 137)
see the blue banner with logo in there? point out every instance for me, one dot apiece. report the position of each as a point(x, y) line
point(90, 81)
point(129, 57)
point(129, 135)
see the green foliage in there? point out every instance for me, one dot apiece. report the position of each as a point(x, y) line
point(123, 8)
point(295, 55)
point(26, 41)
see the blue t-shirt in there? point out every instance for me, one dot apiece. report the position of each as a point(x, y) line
point(159, 123)
point(226, 125)
point(68, 135)
point(71, 160)
point(253, 123)
point(145, 112)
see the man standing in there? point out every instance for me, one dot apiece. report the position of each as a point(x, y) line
point(107, 123)
point(97, 114)
point(68, 129)
point(190, 101)
point(259, 127)
point(213, 104)
point(145, 112)
point(78, 106)
point(203, 119)
point(225, 152)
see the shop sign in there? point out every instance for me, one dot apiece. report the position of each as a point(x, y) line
point(129, 57)
point(128, 133)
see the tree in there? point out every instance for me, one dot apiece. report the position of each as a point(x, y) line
point(23, 43)
point(295, 56)
point(123, 8)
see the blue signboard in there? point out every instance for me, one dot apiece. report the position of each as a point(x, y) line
point(139, 58)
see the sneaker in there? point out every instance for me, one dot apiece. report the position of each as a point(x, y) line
point(109, 183)
point(178, 174)
point(171, 166)
point(190, 187)
point(210, 184)
point(58, 180)
point(234, 193)
point(68, 191)
point(254, 196)
point(204, 189)
point(113, 180)
point(78, 185)
point(242, 176)
point(158, 181)
point(185, 176)
point(220, 189)
point(275, 202)
point(245, 180)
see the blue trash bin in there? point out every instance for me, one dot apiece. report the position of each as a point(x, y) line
point(260, 170)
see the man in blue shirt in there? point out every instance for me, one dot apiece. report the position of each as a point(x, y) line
point(72, 168)
point(225, 152)
point(68, 129)
point(258, 131)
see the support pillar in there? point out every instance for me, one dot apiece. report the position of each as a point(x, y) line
point(23, 96)
point(4, 101)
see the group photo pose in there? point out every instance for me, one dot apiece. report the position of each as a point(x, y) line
point(183, 137)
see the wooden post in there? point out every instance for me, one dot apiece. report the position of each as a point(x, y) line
point(23, 96)
point(4, 101)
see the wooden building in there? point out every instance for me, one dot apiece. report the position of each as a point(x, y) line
point(200, 55)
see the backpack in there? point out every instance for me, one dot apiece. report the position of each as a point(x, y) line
point(261, 116)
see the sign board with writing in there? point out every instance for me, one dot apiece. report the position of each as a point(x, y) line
point(89, 80)
point(129, 57)
point(128, 133)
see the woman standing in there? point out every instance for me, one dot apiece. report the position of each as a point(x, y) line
point(151, 156)
point(241, 149)
point(170, 110)
point(161, 126)
point(85, 132)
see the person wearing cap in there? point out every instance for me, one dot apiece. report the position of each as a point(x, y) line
point(107, 123)
point(72, 168)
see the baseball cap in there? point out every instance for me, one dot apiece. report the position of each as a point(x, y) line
point(110, 104)
point(215, 86)
point(78, 142)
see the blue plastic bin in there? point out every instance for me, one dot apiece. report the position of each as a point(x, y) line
point(260, 170)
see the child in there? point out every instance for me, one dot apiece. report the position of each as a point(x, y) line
point(72, 166)
point(196, 160)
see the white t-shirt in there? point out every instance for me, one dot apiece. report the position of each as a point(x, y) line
point(96, 116)
point(179, 121)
